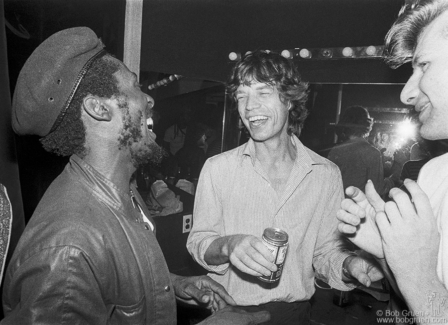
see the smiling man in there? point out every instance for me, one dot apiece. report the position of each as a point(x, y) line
point(89, 253)
point(272, 181)
point(411, 232)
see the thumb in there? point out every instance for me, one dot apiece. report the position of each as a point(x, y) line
point(374, 199)
point(355, 194)
point(363, 278)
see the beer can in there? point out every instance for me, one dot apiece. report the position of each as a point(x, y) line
point(276, 240)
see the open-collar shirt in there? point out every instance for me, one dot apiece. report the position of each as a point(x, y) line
point(235, 196)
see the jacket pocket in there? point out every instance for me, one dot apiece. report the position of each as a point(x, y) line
point(133, 314)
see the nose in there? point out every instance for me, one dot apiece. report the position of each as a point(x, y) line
point(150, 101)
point(252, 102)
point(410, 91)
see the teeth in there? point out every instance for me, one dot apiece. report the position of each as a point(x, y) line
point(257, 118)
point(149, 123)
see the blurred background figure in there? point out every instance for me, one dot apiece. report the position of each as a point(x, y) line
point(174, 137)
point(191, 156)
point(357, 159)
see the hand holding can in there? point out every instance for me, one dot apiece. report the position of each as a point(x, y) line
point(276, 240)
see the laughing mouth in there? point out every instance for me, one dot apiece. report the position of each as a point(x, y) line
point(149, 123)
point(257, 120)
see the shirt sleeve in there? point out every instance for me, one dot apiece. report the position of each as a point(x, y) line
point(55, 286)
point(208, 224)
point(331, 248)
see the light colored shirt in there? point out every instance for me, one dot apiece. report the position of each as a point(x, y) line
point(433, 179)
point(234, 196)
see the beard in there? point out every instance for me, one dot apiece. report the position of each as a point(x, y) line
point(152, 153)
point(131, 138)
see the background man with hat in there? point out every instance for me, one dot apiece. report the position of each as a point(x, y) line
point(89, 254)
point(357, 159)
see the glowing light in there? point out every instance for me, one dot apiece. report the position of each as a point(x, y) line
point(347, 52)
point(287, 54)
point(406, 130)
point(371, 50)
point(234, 56)
point(305, 54)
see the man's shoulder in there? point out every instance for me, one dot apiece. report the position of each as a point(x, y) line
point(228, 157)
point(319, 160)
point(435, 168)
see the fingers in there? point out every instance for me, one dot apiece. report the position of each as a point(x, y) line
point(420, 199)
point(262, 253)
point(383, 224)
point(355, 194)
point(251, 256)
point(373, 197)
point(247, 263)
point(221, 294)
point(364, 279)
point(346, 229)
point(393, 213)
point(351, 207)
point(351, 218)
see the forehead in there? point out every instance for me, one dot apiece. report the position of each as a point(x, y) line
point(254, 85)
point(124, 74)
point(433, 36)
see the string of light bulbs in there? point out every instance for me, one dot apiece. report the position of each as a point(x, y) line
point(164, 81)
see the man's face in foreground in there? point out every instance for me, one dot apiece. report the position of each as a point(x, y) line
point(136, 109)
point(426, 89)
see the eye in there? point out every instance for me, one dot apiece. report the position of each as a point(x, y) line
point(423, 65)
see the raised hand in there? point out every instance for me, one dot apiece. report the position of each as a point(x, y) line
point(410, 236)
point(357, 218)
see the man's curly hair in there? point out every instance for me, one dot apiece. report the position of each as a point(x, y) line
point(273, 69)
point(69, 138)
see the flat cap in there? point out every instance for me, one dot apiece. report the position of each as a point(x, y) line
point(50, 78)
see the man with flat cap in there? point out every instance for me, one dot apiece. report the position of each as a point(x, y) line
point(89, 254)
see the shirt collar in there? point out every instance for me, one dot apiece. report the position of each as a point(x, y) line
point(303, 157)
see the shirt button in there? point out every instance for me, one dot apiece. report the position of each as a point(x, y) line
point(167, 288)
point(146, 227)
point(136, 220)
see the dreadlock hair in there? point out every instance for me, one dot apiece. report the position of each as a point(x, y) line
point(69, 138)
point(275, 70)
point(402, 38)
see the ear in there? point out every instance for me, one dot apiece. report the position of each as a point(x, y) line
point(96, 108)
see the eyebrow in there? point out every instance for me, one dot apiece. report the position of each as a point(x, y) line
point(416, 59)
point(265, 86)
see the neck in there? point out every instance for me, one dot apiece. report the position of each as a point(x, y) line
point(275, 151)
point(112, 165)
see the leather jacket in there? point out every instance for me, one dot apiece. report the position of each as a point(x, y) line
point(87, 257)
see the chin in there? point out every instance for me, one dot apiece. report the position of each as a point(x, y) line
point(152, 153)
